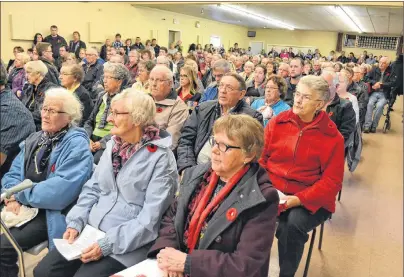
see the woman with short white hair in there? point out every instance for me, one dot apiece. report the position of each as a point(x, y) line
point(33, 94)
point(248, 73)
point(131, 188)
point(58, 161)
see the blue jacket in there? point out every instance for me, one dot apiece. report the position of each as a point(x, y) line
point(210, 93)
point(128, 207)
point(70, 166)
point(279, 107)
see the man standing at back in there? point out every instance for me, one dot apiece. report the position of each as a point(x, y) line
point(44, 50)
point(55, 40)
point(155, 46)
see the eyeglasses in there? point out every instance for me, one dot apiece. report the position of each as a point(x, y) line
point(271, 88)
point(115, 113)
point(151, 80)
point(305, 97)
point(51, 112)
point(65, 74)
point(227, 88)
point(222, 146)
point(110, 77)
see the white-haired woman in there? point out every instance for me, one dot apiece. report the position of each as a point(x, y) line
point(131, 188)
point(58, 161)
point(34, 93)
point(248, 73)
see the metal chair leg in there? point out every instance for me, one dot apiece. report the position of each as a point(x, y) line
point(320, 242)
point(313, 237)
point(339, 195)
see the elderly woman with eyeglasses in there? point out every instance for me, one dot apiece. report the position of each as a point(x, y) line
point(223, 220)
point(142, 81)
point(130, 189)
point(58, 161)
point(34, 92)
point(116, 78)
point(272, 104)
point(304, 157)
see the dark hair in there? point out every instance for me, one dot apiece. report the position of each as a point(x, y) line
point(117, 35)
point(164, 49)
point(240, 80)
point(30, 50)
point(192, 47)
point(54, 27)
point(77, 72)
point(300, 61)
point(35, 39)
point(153, 39)
point(146, 52)
point(76, 32)
point(127, 40)
point(137, 37)
point(63, 45)
point(281, 83)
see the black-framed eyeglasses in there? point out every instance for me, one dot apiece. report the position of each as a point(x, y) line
point(222, 146)
point(53, 112)
point(115, 113)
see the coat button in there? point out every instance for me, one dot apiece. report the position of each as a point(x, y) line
point(218, 239)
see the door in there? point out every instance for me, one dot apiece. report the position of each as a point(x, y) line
point(256, 47)
point(173, 36)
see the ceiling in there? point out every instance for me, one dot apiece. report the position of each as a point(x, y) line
point(372, 19)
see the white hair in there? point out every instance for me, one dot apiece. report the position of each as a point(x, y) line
point(71, 104)
point(139, 104)
point(36, 67)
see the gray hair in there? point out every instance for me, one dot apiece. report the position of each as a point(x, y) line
point(168, 73)
point(36, 67)
point(139, 104)
point(318, 85)
point(71, 104)
point(222, 64)
point(3, 74)
point(118, 70)
point(258, 57)
point(241, 83)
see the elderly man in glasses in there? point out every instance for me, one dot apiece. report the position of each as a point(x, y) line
point(193, 146)
point(171, 110)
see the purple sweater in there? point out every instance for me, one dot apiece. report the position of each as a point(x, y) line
point(18, 80)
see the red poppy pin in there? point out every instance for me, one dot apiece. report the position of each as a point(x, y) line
point(152, 148)
point(330, 114)
point(159, 109)
point(53, 168)
point(231, 214)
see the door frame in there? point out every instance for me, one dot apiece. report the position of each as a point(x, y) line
point(263, 45)
point(173, 31)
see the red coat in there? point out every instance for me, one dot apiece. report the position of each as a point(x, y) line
point(306, 162)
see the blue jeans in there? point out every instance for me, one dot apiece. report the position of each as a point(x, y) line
point(380, 100)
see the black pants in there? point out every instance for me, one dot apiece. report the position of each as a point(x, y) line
point(27, 236)
point(292, 234)
point(55, 265)
point(97, 154)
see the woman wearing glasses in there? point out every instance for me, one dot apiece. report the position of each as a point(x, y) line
point(34, 92)
point(223, 221)
point(116, 78)
point(58, 161)
point(132, 186)
point(304, 157)
point(189, 87)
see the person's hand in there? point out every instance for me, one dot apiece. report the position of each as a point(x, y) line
point(11, 199)
point(172, 274)
point(171, 260)
point(376, 86)
point(91, 254)
point(70, 235)
point(19, 93)
point(91, 145)
point(291, 201)
point(13, 207)
point(96, 146)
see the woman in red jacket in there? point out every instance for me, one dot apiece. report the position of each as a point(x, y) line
point(304, 157)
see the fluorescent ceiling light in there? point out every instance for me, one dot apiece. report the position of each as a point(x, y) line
point(243, 12)
point(342, 12)
point(353, 17)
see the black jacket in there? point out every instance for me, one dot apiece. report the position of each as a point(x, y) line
point(363, 98)
point(53, 73)
point(139, 46)
point(32, 98)
point(56, 43)
point(103, 52)
point(389, 80)
point(343, 115)
point(92, 74)
point(198, 127)
point(290, 93)
point(342, 59)
point(75, 47)
point(86, 101)
point(397, 69)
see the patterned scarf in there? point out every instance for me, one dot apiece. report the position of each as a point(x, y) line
point(103, 121)
point(45, 146)
point(123, 151)
point(205, 201)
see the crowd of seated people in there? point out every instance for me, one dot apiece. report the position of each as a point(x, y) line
point(110, 136)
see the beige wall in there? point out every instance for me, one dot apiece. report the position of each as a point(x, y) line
point(103, 19)
point(99, 20)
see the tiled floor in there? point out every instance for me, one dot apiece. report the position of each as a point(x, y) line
point(365, 236)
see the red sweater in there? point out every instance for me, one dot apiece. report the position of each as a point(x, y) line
point(306, 161)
